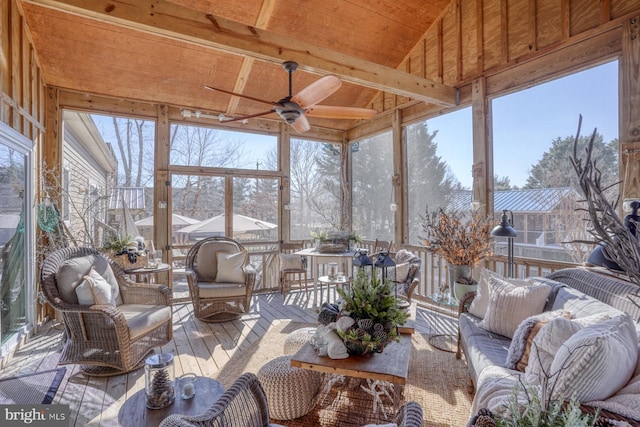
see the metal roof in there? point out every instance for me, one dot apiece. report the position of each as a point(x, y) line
point(521, 201)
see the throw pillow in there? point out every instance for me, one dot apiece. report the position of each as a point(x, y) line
point(230, 267)
point(402, 271)
point(596, 361)
point(290, 262)
point(480, 302)
point(72, 272)
point(509, 305)
point(518, 355)
point(95, 289)
point(549, 339)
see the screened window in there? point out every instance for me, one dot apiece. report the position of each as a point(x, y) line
point(315, 188)
point(533, 135)
point(371, 178)
point(439, 156)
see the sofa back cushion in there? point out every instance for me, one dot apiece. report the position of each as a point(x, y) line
point(480, 302)
point(581, 305)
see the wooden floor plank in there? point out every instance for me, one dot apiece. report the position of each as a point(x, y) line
point(200, 348)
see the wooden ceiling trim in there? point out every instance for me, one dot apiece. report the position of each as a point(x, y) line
point(172, 21)
point(266, 10)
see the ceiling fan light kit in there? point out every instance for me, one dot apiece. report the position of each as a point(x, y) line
point(293, 109)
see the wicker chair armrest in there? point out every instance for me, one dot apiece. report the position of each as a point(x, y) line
point(465, 302)
point(409, 415)
point(244, 400)
point(150, 294)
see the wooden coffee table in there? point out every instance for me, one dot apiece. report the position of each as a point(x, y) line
point(134, 411)
point(391, 365)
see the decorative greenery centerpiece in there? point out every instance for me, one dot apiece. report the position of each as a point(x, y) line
point(369, 315)
point(460, 238)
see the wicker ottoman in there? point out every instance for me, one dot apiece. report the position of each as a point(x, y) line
point(290, 391)
point(296, 339)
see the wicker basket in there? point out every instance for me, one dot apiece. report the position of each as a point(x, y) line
point(333, 246)
point(124, 262)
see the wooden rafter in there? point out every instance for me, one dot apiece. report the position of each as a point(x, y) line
point(165, 19)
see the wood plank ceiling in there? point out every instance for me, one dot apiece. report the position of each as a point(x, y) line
point(164, 51)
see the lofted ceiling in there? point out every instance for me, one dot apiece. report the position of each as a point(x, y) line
point(165, 51)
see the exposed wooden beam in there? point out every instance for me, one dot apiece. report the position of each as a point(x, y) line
point(165, 19)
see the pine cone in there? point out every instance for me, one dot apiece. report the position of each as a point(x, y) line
point(365, 324)
point(378, 327)
point(484, 421)
point(381, 335)
point(360, 332)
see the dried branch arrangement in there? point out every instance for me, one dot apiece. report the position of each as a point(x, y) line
point(606, 227)
point(461, 239)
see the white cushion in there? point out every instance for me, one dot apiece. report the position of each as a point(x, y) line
point(549, 339)
point(72, 271)
point(230, 267)
point(596, 361)
point(142, 318)
point(402, 271)
point(290, 262)
point(509, 305)
point(95, 289)
point(520, 347)
point(480, 302)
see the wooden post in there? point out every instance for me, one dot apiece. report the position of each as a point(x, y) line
point(161, 192)
point(629, 96)
point(482, 170)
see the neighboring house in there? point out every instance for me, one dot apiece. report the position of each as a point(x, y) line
point(544, 219)
point(89, 166)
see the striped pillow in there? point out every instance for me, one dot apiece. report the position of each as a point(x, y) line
point(509, 305)
point(596, 361)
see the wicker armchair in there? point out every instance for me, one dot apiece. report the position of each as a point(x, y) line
point(220, 284)
point(105, 339)
point(244, 404)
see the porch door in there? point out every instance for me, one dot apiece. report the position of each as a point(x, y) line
point(17, 306)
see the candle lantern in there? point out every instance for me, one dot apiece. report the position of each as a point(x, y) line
point(385, 266)
point(362, 263)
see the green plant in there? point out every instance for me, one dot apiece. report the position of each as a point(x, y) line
point(116, 244)
point(354, 236)
point(319, 235)
point(539, 412)
point(371, 298)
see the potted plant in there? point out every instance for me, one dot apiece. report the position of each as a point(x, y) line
point(462, 239)
point(369, 315)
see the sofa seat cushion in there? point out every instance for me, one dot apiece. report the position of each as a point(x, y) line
point(495, 386)
point(482, 348)
point(221, 290)
point(142, 318)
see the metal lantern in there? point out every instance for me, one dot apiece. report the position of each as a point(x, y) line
point(361, 262)
point(385, 266)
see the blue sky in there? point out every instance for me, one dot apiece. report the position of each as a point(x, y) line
point(526, 122)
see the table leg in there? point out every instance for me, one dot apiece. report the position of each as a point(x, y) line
point(314, 268)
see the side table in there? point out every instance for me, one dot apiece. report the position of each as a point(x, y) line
point(149, 274)
point(134, 411)
point(326, 281)
point(450, 303)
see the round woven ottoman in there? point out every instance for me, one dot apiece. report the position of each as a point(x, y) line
point(290, 391)
point(296, 339)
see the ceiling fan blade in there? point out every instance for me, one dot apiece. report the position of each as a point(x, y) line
point(317, 91)
point(215, 89)
point(250, 116)
point(335, 112)
point(301, 125)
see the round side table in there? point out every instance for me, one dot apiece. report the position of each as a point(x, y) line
point(134, 411)
point(444, 341)
point(326, 281)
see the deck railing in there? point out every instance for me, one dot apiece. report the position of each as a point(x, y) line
point(433, 275)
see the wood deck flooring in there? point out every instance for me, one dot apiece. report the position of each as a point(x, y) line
point(201, 348)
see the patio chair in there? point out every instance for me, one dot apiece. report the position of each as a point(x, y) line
point(293, 268)
point(245, 404)
point(220, 279)
point(407, 273)
point(111, 322)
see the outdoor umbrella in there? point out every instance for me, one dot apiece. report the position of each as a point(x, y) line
point(176, 220)
point(215, 226)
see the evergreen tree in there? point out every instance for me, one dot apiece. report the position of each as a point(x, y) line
point(553, 169)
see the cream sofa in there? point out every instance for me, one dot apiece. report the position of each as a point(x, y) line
point(590, 296)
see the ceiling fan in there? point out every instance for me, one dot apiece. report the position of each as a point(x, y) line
point(294, 108)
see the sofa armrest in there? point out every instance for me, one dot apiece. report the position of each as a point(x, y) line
point(465, 302)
